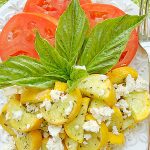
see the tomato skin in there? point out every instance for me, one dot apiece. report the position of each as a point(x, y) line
point(54, 8)
point(18, 35)
point(99, 12)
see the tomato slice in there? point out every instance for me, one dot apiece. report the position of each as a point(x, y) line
point(100, 12)
point(18, 35)
point(53, 8)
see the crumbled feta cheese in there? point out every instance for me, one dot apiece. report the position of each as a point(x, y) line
point(58, 95)
point(45, 134)
point(101, 92)
point(54, 130)
point(141, 84)
point(31, 108)
point(3, 100)
point(130, 86)
point(103, 77)
point(55, 143)
point(39, 116)
point(68, 110)
point(123, 105)
point(17, 115)
point(91, 126)
point(85, 143)
point(47, 104)
point(80, 67)
point(87, 136)
point(6, 141)
point(77, 127)
point(102, 114)
point(28, 126)
point(115, 130)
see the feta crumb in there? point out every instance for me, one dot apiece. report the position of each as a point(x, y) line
point(17, 115)
point(80, 67)
point(115, 130)
point(28, 126)
point(31, 108)
point(91, 126)
point(103, 77)
point(55, 143)
point(68, 110)
point(141, 84)
point(54, 130)
point(47, 104)
point(130, 86)
point(87, 136)
point(45, 134)
point(102, 114)
point(85, 143)
point(6, 141)
point(58, 95)
point(77, 127)
point(123, 105)
point(101, 92)
point(39, 116)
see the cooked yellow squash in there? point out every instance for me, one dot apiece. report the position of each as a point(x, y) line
point(93, 87)
point(93, 143)
point(89, 117)
point(116, 119)
point(74, 129)
point(32, 141)
point(32, 95)
point(44, 143)
point(116, 139)
point(60, 86)
point(104, 135)
point(119, 75)
point(27, 119)
point(71, 144)
point(139, 104)
point(56, 115)
point(128, 123)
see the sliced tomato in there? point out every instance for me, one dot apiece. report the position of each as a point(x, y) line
point(100, 12)
point(53, 8)
point(18, 35)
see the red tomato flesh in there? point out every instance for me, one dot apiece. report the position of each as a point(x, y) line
point(100, 12)
point(53, 8)
point(18, 35)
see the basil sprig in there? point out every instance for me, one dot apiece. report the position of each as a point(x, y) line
point(98, 51)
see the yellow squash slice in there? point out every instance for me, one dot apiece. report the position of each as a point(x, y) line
point(116, 119)
point(93, 87)
point(93, 143)
point(32, 141)
point(116, 139)
point(60, 86)
point(44, 143)
point(118, 75)
point(71, 144)
point(74, 129)
point(139, 104)
point(128, 123)
point(27, 119)
point(32, 95)
point(56, 115)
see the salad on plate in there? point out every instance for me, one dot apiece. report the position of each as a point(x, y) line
point(65, 73)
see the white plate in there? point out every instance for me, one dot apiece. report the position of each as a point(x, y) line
point(138, 138)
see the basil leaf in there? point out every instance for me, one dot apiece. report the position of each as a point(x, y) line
point(51, 59)
point(75, 77)
point(106, 43)
point(24, 71)
point(71, 32)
